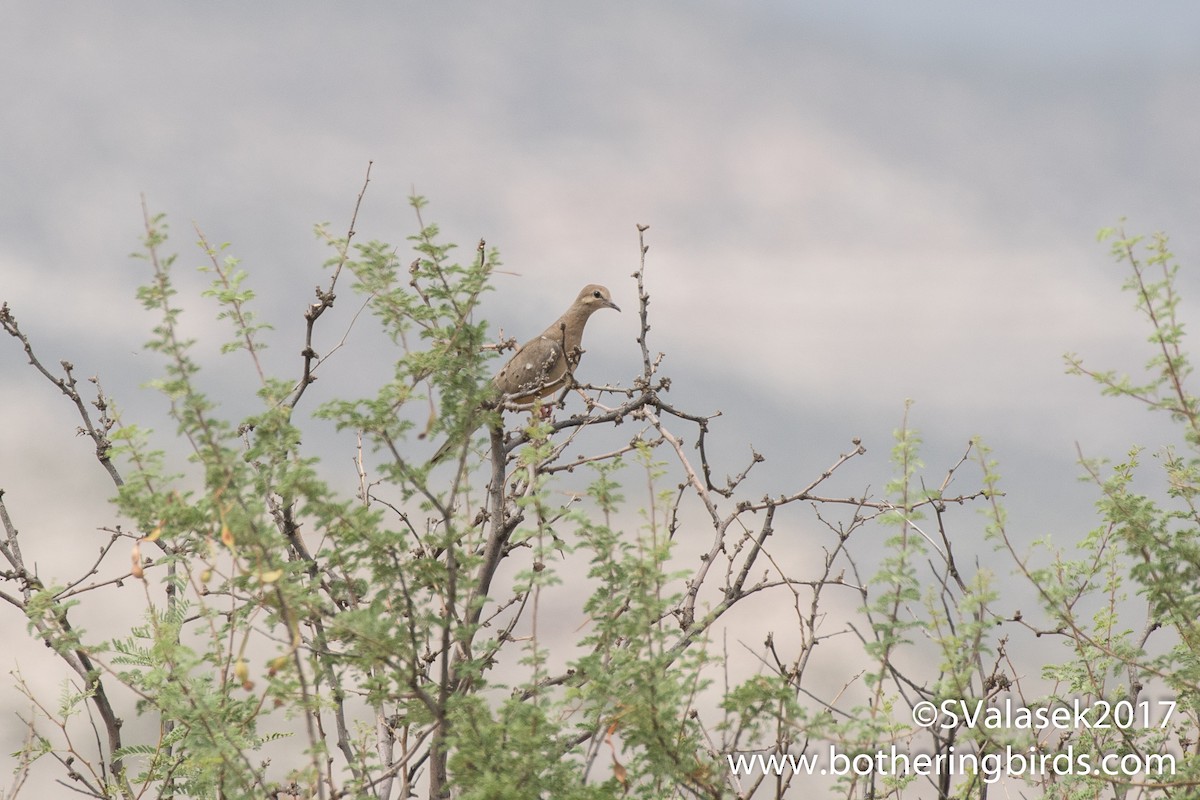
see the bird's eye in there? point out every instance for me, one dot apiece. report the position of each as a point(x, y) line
point(596, 294)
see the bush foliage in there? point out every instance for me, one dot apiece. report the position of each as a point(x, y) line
point(285, 636)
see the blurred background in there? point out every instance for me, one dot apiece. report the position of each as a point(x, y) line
point(850, 205)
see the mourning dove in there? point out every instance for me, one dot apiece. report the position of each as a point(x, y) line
point(541, 366)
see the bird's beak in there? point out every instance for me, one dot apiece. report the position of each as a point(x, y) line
point(613, 305)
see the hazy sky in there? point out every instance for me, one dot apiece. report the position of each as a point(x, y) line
point(850, 205)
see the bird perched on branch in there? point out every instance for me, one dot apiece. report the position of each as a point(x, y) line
point(542, 365)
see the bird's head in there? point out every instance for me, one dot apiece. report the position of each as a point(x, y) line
point(594, 297)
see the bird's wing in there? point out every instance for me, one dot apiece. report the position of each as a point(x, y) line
point(537, 369)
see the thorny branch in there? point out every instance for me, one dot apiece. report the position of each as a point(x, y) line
point(325, 298)
point(54, 628)
point(97, 430)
